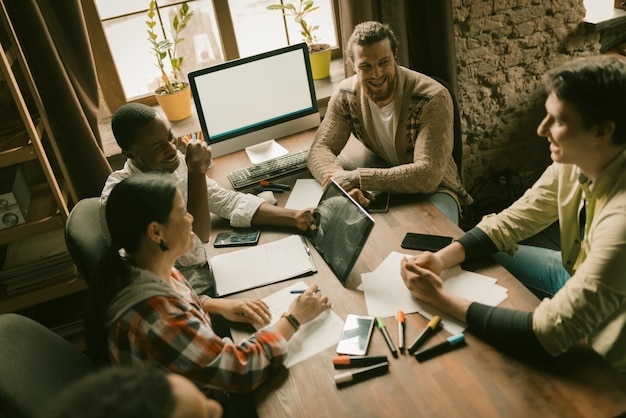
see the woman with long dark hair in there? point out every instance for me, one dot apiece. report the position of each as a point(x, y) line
point(144, 311)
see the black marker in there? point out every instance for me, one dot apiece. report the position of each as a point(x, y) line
point(268, 189)
point(357, 361)
point(347, 378)
point(266, 183)
point(430, 329)
point(450, 344)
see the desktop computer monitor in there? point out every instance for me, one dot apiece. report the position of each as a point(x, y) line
point(251, 100)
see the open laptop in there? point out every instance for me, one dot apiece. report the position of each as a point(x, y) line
point(343, 227)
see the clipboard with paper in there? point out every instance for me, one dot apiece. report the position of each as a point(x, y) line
point(245, 269)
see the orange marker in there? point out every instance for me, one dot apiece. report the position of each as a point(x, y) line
point(400, 320)
point(357, 361)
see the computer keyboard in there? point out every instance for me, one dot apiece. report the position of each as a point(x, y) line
point(275, 167)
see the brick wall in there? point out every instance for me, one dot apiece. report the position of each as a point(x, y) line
point(503, 47)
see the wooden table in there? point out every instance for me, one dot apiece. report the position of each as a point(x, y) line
point(474, 381)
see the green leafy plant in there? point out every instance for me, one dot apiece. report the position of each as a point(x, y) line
point(299, 13)
point(165, 48)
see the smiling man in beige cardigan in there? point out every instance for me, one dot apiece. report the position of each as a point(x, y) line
point(402, 116)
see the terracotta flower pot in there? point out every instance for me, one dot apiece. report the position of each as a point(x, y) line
point(176, 106)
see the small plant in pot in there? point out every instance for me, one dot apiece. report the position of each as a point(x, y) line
point(173, 93)
point(318, 52)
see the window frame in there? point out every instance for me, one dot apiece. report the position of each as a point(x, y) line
point(108, 77)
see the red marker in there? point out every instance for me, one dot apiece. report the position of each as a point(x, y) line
point(357, 361)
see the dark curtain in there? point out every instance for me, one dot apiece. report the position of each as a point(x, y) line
point(54, 39)
point(424, 29)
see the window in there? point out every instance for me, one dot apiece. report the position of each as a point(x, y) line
point(219, 30)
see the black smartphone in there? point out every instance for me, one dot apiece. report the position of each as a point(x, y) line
point(425, 242)
point(356, 335)
point(380, 203)
point(237, 238)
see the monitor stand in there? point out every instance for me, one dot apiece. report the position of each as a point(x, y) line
point(265, 151)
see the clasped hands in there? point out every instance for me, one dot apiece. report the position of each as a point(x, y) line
point(421, 277)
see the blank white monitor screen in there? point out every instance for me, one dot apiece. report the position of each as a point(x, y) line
point(254, 99)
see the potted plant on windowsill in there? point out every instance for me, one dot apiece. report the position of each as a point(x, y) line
point(173, 92)
point(319, 53)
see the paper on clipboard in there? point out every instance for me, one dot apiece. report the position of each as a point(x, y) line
point(263, 264)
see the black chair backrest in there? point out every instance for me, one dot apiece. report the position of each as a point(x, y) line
point(35, 364)
point(83, 237)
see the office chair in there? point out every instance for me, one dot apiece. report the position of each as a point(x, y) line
point(35, 364)
point(457, 149)
point(83, 237)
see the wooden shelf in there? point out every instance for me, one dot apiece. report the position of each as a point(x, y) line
point(10, 58)
point(17, 155)
point(43, 294)
point(31, 228)
point(26, 138)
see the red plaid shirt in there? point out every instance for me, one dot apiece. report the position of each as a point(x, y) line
point(176, 334)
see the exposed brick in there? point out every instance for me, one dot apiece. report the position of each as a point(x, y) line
point(503, 49)
point(481, 8)
point(490, 23)
point(523, 29)
point(501, 5)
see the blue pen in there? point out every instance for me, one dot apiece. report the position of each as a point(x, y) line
point(449, 344)
point(295, 292)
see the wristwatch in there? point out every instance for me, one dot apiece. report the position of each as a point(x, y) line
point(292, 320)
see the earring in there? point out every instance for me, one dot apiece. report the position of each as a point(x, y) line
point(163, 246)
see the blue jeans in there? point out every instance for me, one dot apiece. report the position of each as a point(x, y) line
point(446, 204)
point(539, 269)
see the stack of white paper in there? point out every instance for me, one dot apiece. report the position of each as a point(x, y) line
point(306, 194)
point(386, 294)
point(314, 336)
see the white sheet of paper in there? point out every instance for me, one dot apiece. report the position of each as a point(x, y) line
point(314, 336)
point(306, 193)
point(262, 264)
point(265, 151)
point(385, 292)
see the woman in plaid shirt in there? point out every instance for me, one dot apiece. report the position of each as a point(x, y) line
point(144, 312)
